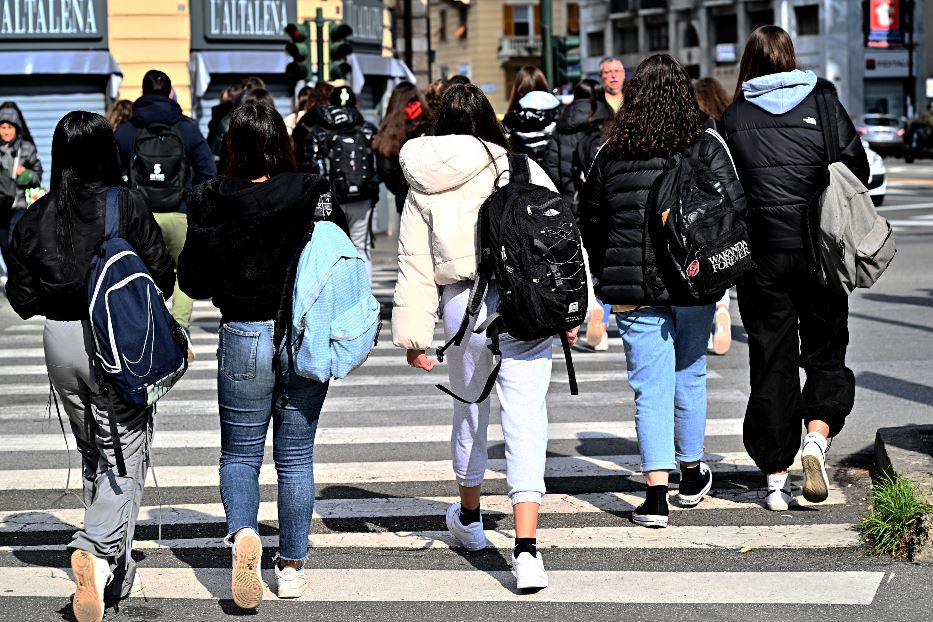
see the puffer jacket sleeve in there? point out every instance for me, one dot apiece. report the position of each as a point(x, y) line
point(852, 154)
point(415, 303)
point(145, 236)
point(552, 165)
point(22, 287)
point(715, 153)
point(30, 160)
point(592, 215)
point(195, 263)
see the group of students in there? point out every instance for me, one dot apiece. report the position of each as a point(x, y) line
point(244, 228)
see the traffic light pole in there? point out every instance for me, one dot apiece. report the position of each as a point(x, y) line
point(547, 30)
point(319, 22)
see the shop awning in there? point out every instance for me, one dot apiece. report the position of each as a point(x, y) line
point(373, 65)
point(63, 62)
point(203, 64)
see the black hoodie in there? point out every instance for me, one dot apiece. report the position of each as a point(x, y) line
point(577, 120)
point(242, 238)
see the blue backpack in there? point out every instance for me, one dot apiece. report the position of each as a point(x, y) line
point(335, 317)
point(140, 349)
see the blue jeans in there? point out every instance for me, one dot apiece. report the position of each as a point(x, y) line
point(665, 352)
point(251, 393)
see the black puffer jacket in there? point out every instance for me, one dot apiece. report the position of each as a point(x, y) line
point(42, 282)
point(576, 121)
point(612, 215)
point(242, 237)
point(531, 124)
point(781, 162)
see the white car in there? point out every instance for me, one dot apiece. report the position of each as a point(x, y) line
point(877, 180)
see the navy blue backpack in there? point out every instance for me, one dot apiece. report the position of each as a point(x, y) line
point(141, 350)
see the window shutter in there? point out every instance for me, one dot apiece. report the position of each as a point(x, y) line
point(573, 19)
point(537, 20)
point(508, 21)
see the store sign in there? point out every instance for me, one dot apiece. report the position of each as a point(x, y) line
point(884, 24)
point(886, 64)
point(52, 19)
point(365, 17)
point(229, 23)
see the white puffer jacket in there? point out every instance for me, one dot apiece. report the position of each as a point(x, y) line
point(450, 177)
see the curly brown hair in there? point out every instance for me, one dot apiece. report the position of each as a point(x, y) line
point(660, 115)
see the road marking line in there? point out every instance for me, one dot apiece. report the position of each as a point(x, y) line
point(197, 439)
point(731, 537)
point(390, 507)
point(566, 586)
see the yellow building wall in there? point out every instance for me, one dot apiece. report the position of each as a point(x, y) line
point(151, 34)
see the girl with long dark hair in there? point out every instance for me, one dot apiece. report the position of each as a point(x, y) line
point(407, 116)
point(49, 258)
point(774, 130)
point(532, 115)
point(451, 174)
point(665, 340)
point(244, 229)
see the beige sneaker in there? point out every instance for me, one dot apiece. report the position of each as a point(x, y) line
point(722, 334)
point(247, 580)
point(91, 574)
point(595, 329)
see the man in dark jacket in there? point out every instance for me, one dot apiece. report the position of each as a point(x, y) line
point(155, 108)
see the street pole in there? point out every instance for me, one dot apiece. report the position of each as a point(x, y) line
point(319, 22)
point(406, 32)
point(427, 25)
point(547, 27)
point(910, 109)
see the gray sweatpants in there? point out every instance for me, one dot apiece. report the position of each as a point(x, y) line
point(358, 217)
point(112, 502)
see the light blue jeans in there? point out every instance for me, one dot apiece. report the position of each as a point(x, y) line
point(665, 352)
point(251, 394)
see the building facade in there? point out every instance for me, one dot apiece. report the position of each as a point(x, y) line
point(487, 40)
point(830, 36)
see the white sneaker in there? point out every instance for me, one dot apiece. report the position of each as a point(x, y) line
point(290, 582)
point(595, 329)
point(779, 493)
point(603, 344)
point(813, 457)
point(529, 571)
point(246, 582)
point(722, 333)
point(91, 575)
point(470, 536)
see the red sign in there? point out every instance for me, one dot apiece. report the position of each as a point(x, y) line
point(884, 23)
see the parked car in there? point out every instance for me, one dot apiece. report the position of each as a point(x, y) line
point(883, 132)
point(877, 180)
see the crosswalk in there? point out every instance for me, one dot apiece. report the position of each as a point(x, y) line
point(384, 480)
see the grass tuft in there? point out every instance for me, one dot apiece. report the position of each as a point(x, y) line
point(893, 515)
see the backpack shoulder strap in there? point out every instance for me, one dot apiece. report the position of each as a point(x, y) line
point(520, 172)
point(112, 213)
point(826, 110)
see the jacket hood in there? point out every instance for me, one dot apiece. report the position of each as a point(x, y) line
point(539, 100)
point(155, 108)
point(224, 199)
point(434, 164)
point(338, 117)
point(577, 117)
point(9, 115)
point(779, 93)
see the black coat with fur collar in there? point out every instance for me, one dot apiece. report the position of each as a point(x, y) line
point(242, 238)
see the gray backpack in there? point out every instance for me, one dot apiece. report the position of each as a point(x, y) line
point(855, 244)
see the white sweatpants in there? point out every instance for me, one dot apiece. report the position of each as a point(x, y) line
point(522, 388)
point(358, 217)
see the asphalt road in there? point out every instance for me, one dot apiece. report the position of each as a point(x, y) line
point(379, 552)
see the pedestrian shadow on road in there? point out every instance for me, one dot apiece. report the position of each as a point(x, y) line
point(919, 301)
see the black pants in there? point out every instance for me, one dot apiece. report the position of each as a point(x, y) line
point(792, 321)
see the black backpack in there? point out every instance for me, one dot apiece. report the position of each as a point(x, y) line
point(697, 244)
point(159, 167)
point(348, 161)
point(529, 242)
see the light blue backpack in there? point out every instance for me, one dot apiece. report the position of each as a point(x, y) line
point(335, 317)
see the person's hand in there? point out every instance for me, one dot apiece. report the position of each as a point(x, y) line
point(572, 335)
point(20, 170)
point(419, 360)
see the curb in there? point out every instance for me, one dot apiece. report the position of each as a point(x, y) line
point(908, 451)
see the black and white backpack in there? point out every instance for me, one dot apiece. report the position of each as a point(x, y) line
point(530, 245)
point(698, 243)
point(159, 167)
point(348, 161)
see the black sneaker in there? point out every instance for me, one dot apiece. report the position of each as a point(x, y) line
point(653, 512)
point(695, 484)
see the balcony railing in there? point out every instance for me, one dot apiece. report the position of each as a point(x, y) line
point(511, 47)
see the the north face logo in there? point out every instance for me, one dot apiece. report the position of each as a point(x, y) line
point(809, 120)
point(157, 174)
point(730, 256)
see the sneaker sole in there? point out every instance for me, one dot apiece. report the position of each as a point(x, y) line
point(722, 338)
point(650, 521)
point(778, 507)
point(469, 547)
point(246, 585)
point(691, 501)
point(87, 604)
point(595, 328)
point(816, 482)
point(539, 584)
point(290, 592)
